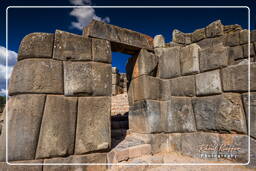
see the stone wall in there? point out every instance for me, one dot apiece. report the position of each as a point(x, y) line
point(195, 86)
point(119, 82)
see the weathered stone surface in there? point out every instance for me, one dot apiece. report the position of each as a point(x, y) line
point(145, 117)
point(101, 51)
point(252, 111)
point(222, 112)
point(159, 143)
point(165, 89)
point(195, 144)
point(146, 64)
point(174, 142)
point(235, 77)
point(58, 127)
point(232, 28)
point(189, 59)
point(38, 76)
point(36, 45)
point(220, 40)
point(68, 46)
point(20, 167)
point(159, 41)
point(198, 35)
point(93, 126)
point(205, 43)
point(24, 118)
point(238, 147)
point(180, 117)
point(245, 50)
point(235, 53)
point(86, 78)
point(89, 158)
point(213, 57)
point(252, 163)
point(169, 62)
point(122, 40)
point(208, 83)
point(183, 86)
point(214, 29)
point(182, 38)
point(232, 39)
point(244, 37)
point(146, 87)
point(253, 36)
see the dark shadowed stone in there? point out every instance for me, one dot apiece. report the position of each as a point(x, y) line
point(235, 53)
point(198, 34)
point(245, 50)
point(87, 78)
point(232, 39)
point(183, 86)
point(58, 127)
point(214, 29)
point(101, 51)
point(165, 89)
point(83, 159)
point(36, 45)
point(189, 59)
point(222, 113)
point(235, 77)
point(93, 124)
point(146, 64)
point(194, 144)
point(253, 36)
point(180, 37)
point(24, 118)
point(169, 62)
point(244, 37)
point(33, 165)
point(180, 117)
point(145, 117)
point(213, 57)
point(68, 46)
point(122, 40)
point(252, 111)
point(146, 87)
point(238, 145)
point(36, 76)
point(208, 83)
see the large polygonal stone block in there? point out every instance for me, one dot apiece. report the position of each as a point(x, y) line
point(36, 45)
point(68, 46)
point(232, 39)
point(165, 89)
point(122, 40)
point(87, 78)
point(183, 86)
point(235, 77)
point(146, 64)
point(36, 76)
point(180, 116)
point(93, 124)
point(243, 37)
point(208, 83)
point(245, 50)
point(232, 28)
point(189, 59)
point(24, 118)
point(145, 117)
point(58, 127)
point(205, 43)
point(235, 53)
point(101, 51)
point(88, 158)
point(146, 87)
point(221, 112)
point(214, 29)
point(180, 37)
point(198, 35)
point(169, 62)
point(159, 41)
point(252, 111)
point(213, 57)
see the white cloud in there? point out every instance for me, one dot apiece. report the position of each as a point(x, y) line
point(84, 15)
point(12, 59)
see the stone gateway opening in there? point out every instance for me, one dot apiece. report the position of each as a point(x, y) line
point(176, 102)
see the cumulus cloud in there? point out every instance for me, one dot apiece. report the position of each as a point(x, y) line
point(5, 72)
point(84, 15)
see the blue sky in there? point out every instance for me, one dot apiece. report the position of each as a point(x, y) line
point(148, 21)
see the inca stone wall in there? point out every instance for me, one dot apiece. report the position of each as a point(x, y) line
point(119, 82)
point(194, 89)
